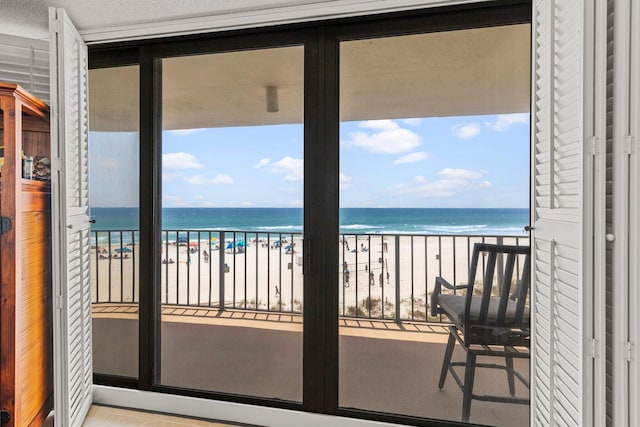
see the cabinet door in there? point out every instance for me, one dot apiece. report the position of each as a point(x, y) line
point(33, 316)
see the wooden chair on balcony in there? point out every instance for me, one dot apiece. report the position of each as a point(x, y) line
point(490, 319)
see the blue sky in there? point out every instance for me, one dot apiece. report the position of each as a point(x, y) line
point(472, 161)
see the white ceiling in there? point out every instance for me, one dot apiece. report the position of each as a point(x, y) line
point(454, 73)
point(28, 18)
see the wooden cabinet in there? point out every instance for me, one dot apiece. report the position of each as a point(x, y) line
point(26, 317)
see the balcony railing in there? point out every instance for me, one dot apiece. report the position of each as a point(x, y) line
point(386, 276)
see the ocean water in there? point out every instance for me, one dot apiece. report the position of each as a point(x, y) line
point(352, 220)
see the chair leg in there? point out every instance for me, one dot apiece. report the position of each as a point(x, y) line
point(469, 376)
point(510, 376)
point(447, 360)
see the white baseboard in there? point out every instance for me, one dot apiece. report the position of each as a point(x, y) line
point(222, 411)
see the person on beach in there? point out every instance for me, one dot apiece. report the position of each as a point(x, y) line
point(346, 278)
point(387, 277)
point(205, 255)
point(346, 243)
point(381, 279)
point(372, 280)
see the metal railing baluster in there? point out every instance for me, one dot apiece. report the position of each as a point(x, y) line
point(268, 271)
point(244, 252)
point(222, 269)
point(199, 258)
point(209, 261)
point(133, 267)
point(257, 270)
point(292, 266)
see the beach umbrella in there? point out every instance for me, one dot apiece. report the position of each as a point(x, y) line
point(214, 239)
point(230, 245)
point(288, 247)
point(182, 239)
point(240, 243)
point(123, 250)
point(193, 244)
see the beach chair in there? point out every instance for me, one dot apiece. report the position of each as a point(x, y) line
point(491, 318)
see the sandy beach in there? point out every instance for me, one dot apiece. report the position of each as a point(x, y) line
point(265, 275)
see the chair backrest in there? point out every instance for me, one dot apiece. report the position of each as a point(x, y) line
point(507, 308)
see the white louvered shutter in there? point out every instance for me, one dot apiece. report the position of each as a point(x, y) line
point(625, 204)
point(634, 216)
point(25, 62)
point(609, 216)
point(69, 127)
point(560, 373)
point(595, 119)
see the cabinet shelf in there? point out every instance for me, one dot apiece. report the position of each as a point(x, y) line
point(35, 185)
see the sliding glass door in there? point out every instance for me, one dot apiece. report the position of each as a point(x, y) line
point(232, 215)
point(434, 155)
point(114, 157)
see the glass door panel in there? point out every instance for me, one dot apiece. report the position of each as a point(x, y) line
point(232, 191)
point(434, 155)
point(114, 158)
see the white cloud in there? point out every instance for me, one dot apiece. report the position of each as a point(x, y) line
point(345, 181)
point(452, 173)
point(170, 176)
point(466, 130)
point(184, 131)
point(411, 158)
point(203, 180)
point(504, 121)
point(201, 200)
point(378, 124)
point(222, 179)
point(387, 137)
point(412, 122)
point(293, 169)
point(453, 182)
point(295, 203)
point(262, 163)
point(180, 161)
point(173, 201)
point(290, 189)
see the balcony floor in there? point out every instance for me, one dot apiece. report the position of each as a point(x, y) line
point(383, 367)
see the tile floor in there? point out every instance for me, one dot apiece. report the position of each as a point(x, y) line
point(104, 416)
